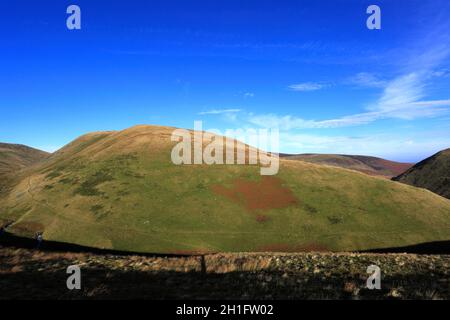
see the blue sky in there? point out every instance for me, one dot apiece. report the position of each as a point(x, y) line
point(311, 68)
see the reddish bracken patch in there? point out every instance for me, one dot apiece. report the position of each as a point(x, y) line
point(268, 193)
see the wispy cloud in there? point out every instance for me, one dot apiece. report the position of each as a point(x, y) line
point(366, 79)
point(219, 111)
point(441, 73)
point(402, 98)
point(307, 86)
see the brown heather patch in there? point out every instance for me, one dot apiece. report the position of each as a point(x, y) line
point(223, 263)
point(394, 167)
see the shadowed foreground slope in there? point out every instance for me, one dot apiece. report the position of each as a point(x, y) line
point(35, 274)
point(120, 190)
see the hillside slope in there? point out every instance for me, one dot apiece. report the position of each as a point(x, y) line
point(14, 157)
point(120, 190)
point(370, 165)
point(432, 173)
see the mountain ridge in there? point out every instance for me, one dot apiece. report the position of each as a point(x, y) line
point(432, 173)
point(15, 157)
point(366, 164)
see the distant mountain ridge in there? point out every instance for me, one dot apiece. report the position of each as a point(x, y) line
point(366, 164)
point(432, 173)
point(14, 157)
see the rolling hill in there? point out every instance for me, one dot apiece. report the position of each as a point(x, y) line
point(14, 157)
point(432, 173)
point(120, 190)
point(370, 165)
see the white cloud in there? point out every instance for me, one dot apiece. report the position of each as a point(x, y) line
point(249, 95)
point(306, 86)
point(289, 122)
point(219, 111)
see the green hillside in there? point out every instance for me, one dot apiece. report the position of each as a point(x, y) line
point(120, 190)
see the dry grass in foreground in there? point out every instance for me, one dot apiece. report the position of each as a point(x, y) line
point(32, 274)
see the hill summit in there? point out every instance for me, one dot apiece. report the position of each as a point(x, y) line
point(120, 190)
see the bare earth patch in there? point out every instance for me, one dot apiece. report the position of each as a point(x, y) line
point(268, 193)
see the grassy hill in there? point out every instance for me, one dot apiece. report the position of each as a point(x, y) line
point(120, 190)
point(432, 173)
point(14, 157)
point(370, 165)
